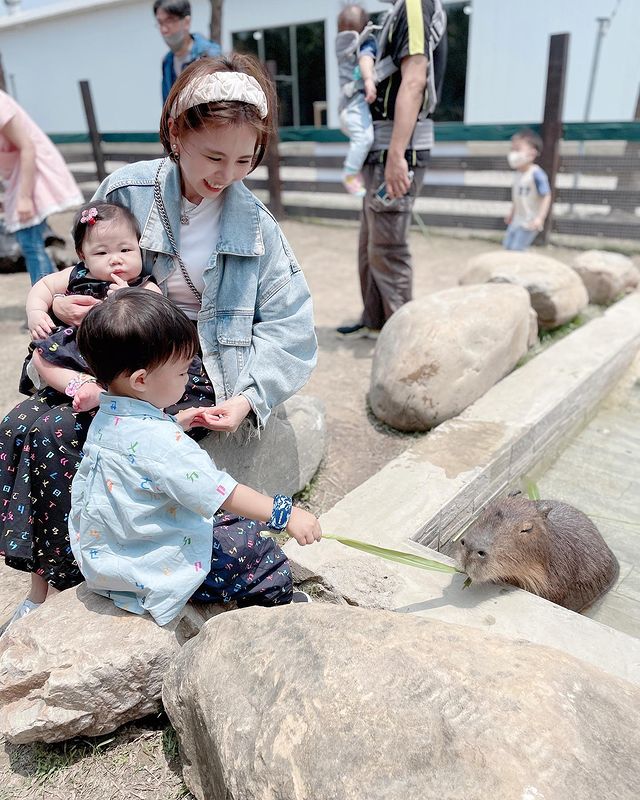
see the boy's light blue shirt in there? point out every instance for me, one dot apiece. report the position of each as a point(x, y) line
point(142, 507)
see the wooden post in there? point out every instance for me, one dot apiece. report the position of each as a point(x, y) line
point(630, 179)
point(272, 163)
point(215, 26)
point(94, 134)
point(552, 122)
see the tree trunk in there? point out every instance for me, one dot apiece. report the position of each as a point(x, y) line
point(215, 29)
point(3, 81)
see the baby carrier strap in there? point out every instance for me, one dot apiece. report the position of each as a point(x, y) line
point(384, 66)
point(348, 44)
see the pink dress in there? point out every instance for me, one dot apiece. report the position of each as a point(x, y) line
point(54, 187)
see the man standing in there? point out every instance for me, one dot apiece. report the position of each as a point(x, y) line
point(394, 169)
point(173, 18)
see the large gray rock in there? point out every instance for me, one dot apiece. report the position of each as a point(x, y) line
point(287, 454)
point(557, 292)
point(78, 665)
point(435, 356)
point(606, 275)
point(323, 701)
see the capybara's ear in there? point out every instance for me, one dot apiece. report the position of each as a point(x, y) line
point(544, 508)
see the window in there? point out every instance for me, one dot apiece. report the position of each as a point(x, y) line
point(295, 56)
point(451, 103)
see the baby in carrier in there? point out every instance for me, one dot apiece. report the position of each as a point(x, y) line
point(356, 51)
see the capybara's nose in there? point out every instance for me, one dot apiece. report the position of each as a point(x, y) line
point(472, 550)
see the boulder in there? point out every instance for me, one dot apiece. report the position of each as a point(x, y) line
point(286, 455)
point(606, 275)
point(437, 355)
point(324, 701)
point(80, 666)
point(557, 292)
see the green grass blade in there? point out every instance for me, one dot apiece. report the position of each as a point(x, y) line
point(533, 493)
point(408, 559)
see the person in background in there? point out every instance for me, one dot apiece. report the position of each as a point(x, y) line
point(355, 51)
point(173, 18)
point(531, 193)
point(37, 183)
point(394, 170)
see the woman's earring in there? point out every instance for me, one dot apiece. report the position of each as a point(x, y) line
point(175, 152)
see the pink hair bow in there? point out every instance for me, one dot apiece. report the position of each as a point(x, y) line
point(89, 216)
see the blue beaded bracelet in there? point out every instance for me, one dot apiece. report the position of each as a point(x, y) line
point(282, 507)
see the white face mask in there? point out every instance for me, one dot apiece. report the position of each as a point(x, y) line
point(517, 158)
point(174, 41)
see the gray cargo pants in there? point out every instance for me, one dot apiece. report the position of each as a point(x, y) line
point(384, 260)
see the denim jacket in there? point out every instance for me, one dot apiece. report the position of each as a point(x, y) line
point(256, 321)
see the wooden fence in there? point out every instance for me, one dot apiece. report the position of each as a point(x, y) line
point(466, 186)
point(594, 169)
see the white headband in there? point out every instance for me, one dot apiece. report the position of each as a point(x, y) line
point(218, 87)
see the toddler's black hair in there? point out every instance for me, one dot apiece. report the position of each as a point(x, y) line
point(134, 329)
point(176, 8)
point(530, 137)
point(104, 211)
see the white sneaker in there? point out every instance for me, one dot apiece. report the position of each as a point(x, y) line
point(25, 607)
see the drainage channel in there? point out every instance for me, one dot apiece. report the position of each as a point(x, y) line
point(599, 472)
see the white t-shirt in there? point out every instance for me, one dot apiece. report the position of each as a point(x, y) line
point(178, 63)
point(527, 191)
point(198, 240)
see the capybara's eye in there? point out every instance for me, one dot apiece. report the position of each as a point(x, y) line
point(462, 542)
point(527, 530)
point(481, 554)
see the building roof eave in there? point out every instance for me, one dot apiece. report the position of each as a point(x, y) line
point(63, 9)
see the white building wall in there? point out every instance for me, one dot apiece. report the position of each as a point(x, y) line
point(245, 15)
point(115, 45)
point(507, 59)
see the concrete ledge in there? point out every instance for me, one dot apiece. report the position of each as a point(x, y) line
point(438, 486)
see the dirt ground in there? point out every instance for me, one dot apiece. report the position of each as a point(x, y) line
point(140, 761)
point(358, 445)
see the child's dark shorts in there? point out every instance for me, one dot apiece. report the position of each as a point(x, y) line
point(245, 566)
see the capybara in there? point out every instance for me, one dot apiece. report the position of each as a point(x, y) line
point(544, 546)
